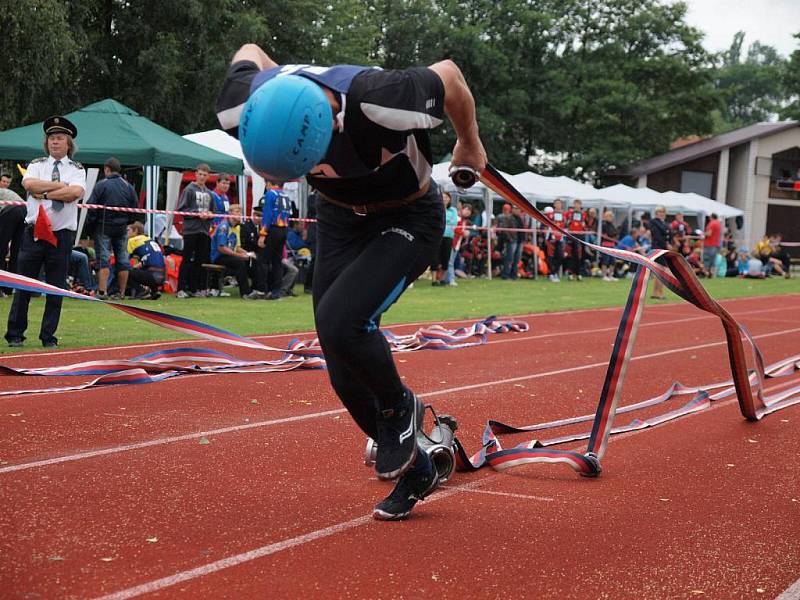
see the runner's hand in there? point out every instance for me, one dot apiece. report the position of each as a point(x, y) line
point(470, 154)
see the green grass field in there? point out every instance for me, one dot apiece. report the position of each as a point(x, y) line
point(91, 324)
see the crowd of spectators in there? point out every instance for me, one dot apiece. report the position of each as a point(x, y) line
point(266, 254)
point(517, 252)
point(261, 255)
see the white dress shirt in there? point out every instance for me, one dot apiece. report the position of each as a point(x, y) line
point(71, 173)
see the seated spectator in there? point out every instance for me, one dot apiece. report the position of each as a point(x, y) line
point(290, 273)
point(150, 270)
point(755, 269)
point(82, 280)
point(628, 242)
point(225, 251)
point(295, 238)
point(731, 261)
point(695, 259)
point(109, 227)
point(765, 251)
point(644, 240)
point(780, 254)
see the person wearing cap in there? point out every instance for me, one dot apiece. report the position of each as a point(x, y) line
point(361, 137)
point(53, 182)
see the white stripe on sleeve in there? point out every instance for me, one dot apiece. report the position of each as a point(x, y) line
point(229, 118)
point(398, 119)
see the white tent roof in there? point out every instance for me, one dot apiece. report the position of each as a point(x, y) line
point(550, 188)
point(221, 142)
point(641, 198)
point(701, 204)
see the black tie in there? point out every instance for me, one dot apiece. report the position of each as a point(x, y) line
point(57, 206)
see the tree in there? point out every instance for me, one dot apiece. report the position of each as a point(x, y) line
point(39, 59)
point(626, 78)
point(751, 90)
point(791, 85)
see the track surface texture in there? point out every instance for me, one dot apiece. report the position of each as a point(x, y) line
point(189, 489)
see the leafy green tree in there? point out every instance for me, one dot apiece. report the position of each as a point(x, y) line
point(791, 85)
point(626, 78)
point(751, 89)
point(39, 60)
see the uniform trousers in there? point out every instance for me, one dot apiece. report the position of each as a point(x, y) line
point(362, 266)
point(32, 257)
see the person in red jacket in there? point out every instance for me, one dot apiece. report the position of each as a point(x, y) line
point(576, 222)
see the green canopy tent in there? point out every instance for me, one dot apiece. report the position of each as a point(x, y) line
point(109, 128)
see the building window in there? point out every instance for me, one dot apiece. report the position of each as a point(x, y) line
point(698, 182)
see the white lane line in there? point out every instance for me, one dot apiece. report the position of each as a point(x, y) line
point(232, 561)
point(703, 317)
point(791, 593)
point(168, 440)
point(293, 334)
point(461, 488)
point(594, 365)
point(190, 436)
point(514, 339)
point(659, 308)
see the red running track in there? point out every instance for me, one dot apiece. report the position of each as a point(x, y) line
point(110, 492)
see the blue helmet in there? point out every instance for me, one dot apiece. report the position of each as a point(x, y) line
point(285, 127)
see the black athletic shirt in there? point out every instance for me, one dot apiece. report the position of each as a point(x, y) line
point(382, 150)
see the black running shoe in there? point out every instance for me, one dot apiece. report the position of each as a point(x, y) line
point(410, 489)
point(397, 438)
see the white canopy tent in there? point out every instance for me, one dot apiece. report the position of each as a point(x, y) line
point(701, 205)
point(227, 144)
point(550, 188)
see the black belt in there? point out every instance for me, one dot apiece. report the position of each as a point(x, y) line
point(32, 225)
point(363, 210)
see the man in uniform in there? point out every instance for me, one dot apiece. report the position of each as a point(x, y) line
point(380, 218)
point(53, 183)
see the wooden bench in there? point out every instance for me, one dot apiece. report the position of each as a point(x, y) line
point(212, 270)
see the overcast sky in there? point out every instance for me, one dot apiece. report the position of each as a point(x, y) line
point(771, 22)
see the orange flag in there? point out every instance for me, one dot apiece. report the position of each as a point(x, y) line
point(43, 229)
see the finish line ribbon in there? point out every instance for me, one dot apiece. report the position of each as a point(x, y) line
point(673, 270)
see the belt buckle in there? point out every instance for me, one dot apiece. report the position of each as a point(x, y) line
point(360, 210)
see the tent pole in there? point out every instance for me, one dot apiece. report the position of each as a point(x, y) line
point(487, 219)
point(91, 181)
point(151, 187)
point(535, 224)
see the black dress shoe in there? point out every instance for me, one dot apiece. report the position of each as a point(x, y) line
point(49, 344)
point(15, 343)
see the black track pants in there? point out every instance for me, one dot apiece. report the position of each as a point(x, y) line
point(362, 265)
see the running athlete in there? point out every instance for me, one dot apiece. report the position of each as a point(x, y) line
point(380, 220)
